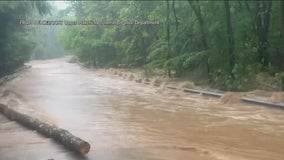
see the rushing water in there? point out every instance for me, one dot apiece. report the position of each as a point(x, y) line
point(124, 120)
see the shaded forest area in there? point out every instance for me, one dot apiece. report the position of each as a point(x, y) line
point(227, 43)
point(16, 43)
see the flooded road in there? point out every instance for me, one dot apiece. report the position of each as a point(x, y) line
point(124, 120)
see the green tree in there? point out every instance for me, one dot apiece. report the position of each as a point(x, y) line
point(230, 36)
point(227, 48)
point(15, 43)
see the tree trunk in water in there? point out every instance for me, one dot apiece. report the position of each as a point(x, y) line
point(168, 34)
point(60, 135)
point(230, 36)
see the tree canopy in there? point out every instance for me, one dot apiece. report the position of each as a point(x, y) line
point(15, 44)
point(230, 41)
point(227, 42)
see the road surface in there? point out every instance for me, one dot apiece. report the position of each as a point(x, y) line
point(124, 120)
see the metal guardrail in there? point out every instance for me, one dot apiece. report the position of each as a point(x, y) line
point(219, 95)
point(205, 93)
point(263, 103)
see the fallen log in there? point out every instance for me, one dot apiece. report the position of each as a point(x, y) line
point(60, 135)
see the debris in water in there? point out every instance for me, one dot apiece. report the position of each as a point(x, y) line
point(231, 97)
point(277, 97)
point(186, 84)
point(138, 80)
point(157, 81)
point(131, 77)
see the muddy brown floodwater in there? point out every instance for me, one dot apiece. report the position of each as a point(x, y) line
point(124, 120)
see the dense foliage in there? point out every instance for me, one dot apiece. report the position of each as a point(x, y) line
point(15, 44)
point(229, 40)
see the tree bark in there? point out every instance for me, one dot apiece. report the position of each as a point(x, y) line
point(260, 11)
point(282, 29)
point(266, 24)
point(60, 135)
point(93, 60)
point(197, 12)
point(175, 14)
point(230, 36)
point(168, 34)
point(262, 22)
point(144, 50)
point(201, 22)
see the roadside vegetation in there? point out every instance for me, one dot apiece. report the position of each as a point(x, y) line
point(228, 43)
point(16, 44)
